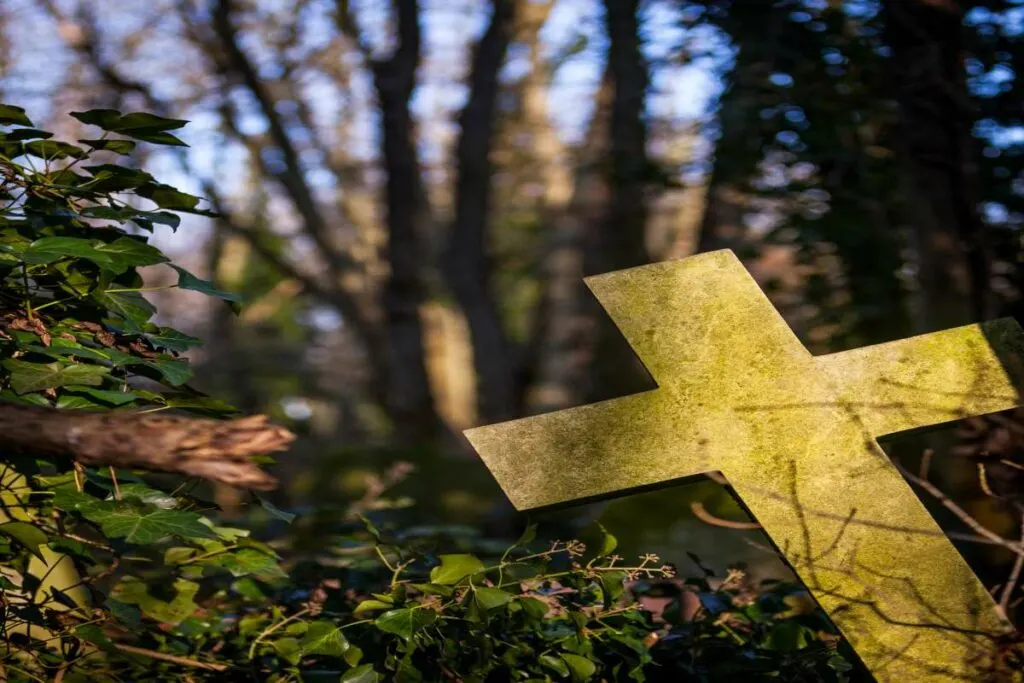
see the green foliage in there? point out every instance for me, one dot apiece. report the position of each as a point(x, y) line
point(171, 595)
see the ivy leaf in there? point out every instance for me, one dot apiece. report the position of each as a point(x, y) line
point(363, 673)
point(50, 249)
point(187, 280)
point(534, 608)
point(71, 402)
point(527, 537)
point(404, 623)
point(167, 197)
point(54, 149)
point(9, 114)
point(125, 252)
point(132, 591)
point(130, 306)
point(324, 638)
point(27, 377)
point(148, 495)
point(788, 636)
point(138, 125)
point(117, 256)
point(175, 372)
point(371, 605)
point(838, 663)
point(114, 398)
point(108, 178)
point(171, 339)
point(137, 522)
point(115, 146)
point(491, 598)
point(26, 134)
point(608, 542)
point(128, 213)
point(455, 568)
point(28, 535)
point(92, 633)
point(129, 615)
point(556, 664)
point(580, 668)
point(249, 561)
point(200, 404)
point(106, 119)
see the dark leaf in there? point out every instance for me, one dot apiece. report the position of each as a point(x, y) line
point(363, 673)
point(187, 280)
point(324, 638)
point(26, 134)
point(28, 535)
point(9, 114)
point(115, 146)
point(404, 623)
point(53, 149)
point(166, 197)
point(27, 377)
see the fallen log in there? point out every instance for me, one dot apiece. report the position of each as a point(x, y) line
point(218, 450)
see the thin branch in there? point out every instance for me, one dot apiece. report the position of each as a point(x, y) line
point(1014, 580)
point(701, 513)
point(174, 659)
point(962, 514)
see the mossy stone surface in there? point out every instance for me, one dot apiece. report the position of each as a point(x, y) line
point(796, 436)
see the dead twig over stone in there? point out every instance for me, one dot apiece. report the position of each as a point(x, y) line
point(218, 450)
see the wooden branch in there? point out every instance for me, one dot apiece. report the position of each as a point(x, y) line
point(218, 450)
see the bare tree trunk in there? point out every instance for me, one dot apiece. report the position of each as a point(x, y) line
point(410, 399)
point(926, 37)
point(620, 240)
point(622, 243)
point(467, 262)
point(563, 329)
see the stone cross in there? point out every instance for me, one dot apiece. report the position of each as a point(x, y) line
point(795, 435)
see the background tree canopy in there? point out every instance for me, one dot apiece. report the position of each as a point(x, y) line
point(400, 199)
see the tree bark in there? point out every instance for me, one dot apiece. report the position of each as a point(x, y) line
point(561, 347)
point(218, 450)
point(411, 400)
point(622, 243)
point(467, 262)
point(938, 150)
point(620, 239)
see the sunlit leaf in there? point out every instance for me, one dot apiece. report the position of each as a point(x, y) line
point(455, 568)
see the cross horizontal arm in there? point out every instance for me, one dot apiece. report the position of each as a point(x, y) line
point(930, 379)
point(588, 451)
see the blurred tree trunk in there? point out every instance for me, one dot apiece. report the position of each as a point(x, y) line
point(563, 327)
point(620, 238)
point(410, 399)
point(938, 150)
point(621, 243)
point(754, 29)
point(467, 260)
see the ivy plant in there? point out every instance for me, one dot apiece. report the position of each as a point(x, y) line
point(106, 575)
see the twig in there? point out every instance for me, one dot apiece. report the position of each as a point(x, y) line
point(926, 463)
point(964, 516)
point(703, 515)
point(1011, 583)
point(270, 629)
point(174, 659)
